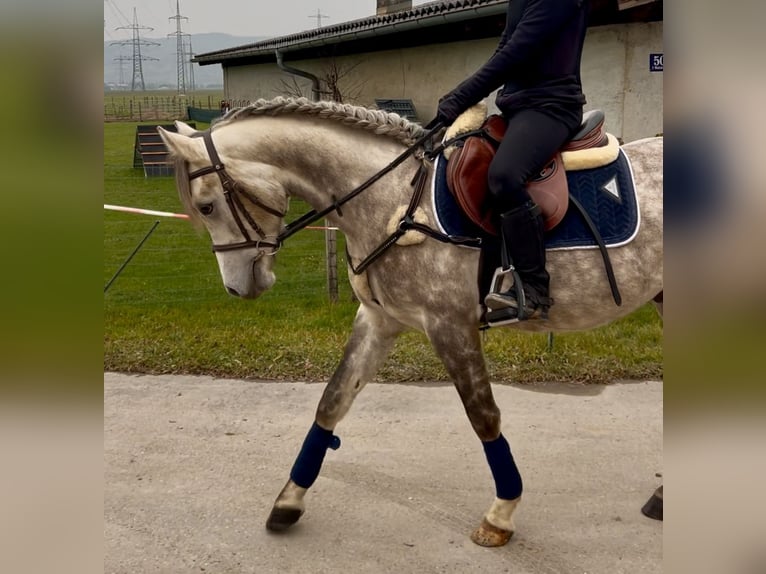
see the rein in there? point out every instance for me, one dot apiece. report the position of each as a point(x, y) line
point(232, 191)
point(314, 215)
point(407, 223)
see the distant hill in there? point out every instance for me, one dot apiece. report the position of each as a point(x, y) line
point(163, 73)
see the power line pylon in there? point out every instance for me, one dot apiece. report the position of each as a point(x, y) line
point(319, 17)
point(122, 59)
point(190, 55)
point(136, 43)
point(180, 49)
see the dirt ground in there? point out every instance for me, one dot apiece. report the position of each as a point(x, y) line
point(193, 464)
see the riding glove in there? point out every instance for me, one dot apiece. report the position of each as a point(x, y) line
point(450, 107)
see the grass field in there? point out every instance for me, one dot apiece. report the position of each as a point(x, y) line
point(168, 312)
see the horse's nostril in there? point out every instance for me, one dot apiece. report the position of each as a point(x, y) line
point(232, 291)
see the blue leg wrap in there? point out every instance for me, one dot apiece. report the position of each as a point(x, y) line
point(507, 478)
point(309, 461)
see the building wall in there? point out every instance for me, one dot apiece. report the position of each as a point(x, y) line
point(615, 72)
point(421, 74)
point(616, 78)
point(391, 6)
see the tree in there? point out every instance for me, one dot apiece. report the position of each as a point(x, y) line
point(337, 83)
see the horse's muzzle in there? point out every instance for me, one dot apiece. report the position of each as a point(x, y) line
point(232, 291)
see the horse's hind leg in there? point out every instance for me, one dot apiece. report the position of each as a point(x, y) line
point(459, 348)
point(371, 339)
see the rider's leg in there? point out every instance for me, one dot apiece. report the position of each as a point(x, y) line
point(529, 143)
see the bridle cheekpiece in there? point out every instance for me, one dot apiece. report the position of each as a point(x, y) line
point(234, 192)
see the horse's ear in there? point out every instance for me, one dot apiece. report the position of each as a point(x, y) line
point(184, 129)
point(182, 146)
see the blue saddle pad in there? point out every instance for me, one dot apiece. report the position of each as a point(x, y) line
point(607, 193)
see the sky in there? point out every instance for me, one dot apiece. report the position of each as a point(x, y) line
point(235, 17)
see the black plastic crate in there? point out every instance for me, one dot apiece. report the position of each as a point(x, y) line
point(402, 107)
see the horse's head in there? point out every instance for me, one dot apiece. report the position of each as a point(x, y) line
point(240, 202)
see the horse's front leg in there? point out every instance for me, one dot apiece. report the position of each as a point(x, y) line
point(459, 347)
point(371, 340)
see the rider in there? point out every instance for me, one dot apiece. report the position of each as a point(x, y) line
point(538, 64)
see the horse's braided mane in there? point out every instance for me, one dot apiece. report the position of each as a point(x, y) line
point(378, 121)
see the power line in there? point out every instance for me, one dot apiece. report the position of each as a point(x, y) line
point(117, 12)
point(148, 7)
point(107, 31)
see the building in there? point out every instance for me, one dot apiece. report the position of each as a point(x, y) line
point(420, 53)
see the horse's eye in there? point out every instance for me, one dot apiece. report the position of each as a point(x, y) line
point(206, 209)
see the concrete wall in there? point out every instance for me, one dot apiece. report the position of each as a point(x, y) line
point(616, 78)
point(615, 71)
point(391, 6)
point(422, 74)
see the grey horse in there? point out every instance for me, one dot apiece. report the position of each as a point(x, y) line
point(237, 181)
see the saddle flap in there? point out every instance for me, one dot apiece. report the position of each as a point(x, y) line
point(495, 126)
point(550, 191)
point(467, 171)
point(467, 180)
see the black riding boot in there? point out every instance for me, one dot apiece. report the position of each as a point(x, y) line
point(522, 232)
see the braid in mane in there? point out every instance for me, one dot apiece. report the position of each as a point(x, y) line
point(377, 121)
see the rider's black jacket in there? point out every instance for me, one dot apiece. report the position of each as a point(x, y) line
point(537, 60)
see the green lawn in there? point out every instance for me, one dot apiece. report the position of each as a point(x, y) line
point(168, 311)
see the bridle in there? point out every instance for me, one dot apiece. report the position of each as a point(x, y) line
point(234, 193)
point(233, 190)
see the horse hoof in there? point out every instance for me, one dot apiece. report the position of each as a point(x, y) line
point(281, 519)
point(653, 506)
point(490, 536)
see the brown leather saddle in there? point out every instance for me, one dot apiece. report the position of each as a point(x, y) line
point(468, 166)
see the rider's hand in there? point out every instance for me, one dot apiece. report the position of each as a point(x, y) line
point(433, 123)
point(450, 107)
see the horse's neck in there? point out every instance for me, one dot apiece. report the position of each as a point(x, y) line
point(323, 161)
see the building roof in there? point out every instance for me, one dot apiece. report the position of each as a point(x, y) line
point(430, 14)
point(433, 21)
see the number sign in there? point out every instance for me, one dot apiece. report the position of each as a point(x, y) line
point(655, 62)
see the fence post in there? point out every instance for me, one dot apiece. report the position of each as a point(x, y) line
point(331, 247)
point(140, 118)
